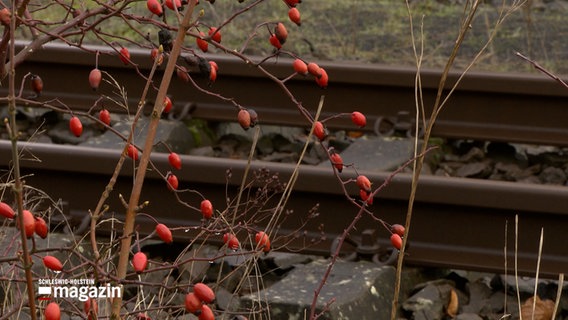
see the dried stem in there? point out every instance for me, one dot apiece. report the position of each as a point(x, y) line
point(543, 70)
point(18, 185)
point(141, 172)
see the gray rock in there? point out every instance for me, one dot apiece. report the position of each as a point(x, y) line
point(206, 151)
point(285, 260)
point(197, 265)
point(361, 291)
point(468, 316)
point(474, 170)
point(474, 154)
point(378, 154)
point(429, 302)
point(61, 134)
point(174, 133)
point(233, 146)
point(479, 294)
point(233, 128)
point(508, 171)
point(225, 300)
point(552, 175)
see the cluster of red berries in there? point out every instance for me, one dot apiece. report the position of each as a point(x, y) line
point(32, 224)
point(397, 232)
point(196, 301)
point(156, 7)
point(38, 226)
point(247, 118)
point(261, 239)
point(312, 68)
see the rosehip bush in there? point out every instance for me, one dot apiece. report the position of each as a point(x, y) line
point(179, 37)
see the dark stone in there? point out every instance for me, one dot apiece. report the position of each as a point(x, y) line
point(61, 134)
point(196, 269)
point(474, 170)
point(286, 261)
point(206, 151)
point(361, 290)
point(468, 316)
point(552, 175)
point(501, 151)
point(474, 154)
point(479, 293)
point(429, 302)
point(378, 154)
point(174, 133)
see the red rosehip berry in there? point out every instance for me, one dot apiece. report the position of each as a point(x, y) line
point(364, 183)
point(104, 116)
point(29, 223)
point(155, 7)
point(174, 4)
point(300, 67)
point(52, 311)
point(203, 292)
point(41, 228)
point(262, 241)
point(76, 126)
point(173, 182)
point(139, 262)
point(214, 34)
point(95, 77)
point(206, 208)
point(398, 229)
point(36, 84)
point(132, 152)
point(280, 32)
point(323, 80)
point(174, 160)
point(275, 42)
point(6, 211)
point(314, 69)
point(319, 131)
point(366, 196)
point(202, 44)
point(52, 263)
point(337, 161)
point(192, 303)
point(396, 241)
point(167, 105)
point(124, 55)
point(243, 117)
point(294, 15)
point(164, 233)
point(358, 119)
point(231, 241)
point(206, 313)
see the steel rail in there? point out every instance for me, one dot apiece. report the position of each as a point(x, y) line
point(457, 222)
point(523, 108)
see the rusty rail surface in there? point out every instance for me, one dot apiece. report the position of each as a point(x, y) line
point(457, 222)
point(486, 106)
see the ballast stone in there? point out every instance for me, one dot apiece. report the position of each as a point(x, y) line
point(362, 290)
point(378, 154)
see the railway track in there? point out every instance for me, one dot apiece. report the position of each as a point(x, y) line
point(457, 222)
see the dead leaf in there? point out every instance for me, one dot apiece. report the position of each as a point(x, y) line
point(453, 304)
point(543, 309)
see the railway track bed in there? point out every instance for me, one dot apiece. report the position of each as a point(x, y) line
point(457, 222)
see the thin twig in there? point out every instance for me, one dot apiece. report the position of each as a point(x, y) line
point(542, 69)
